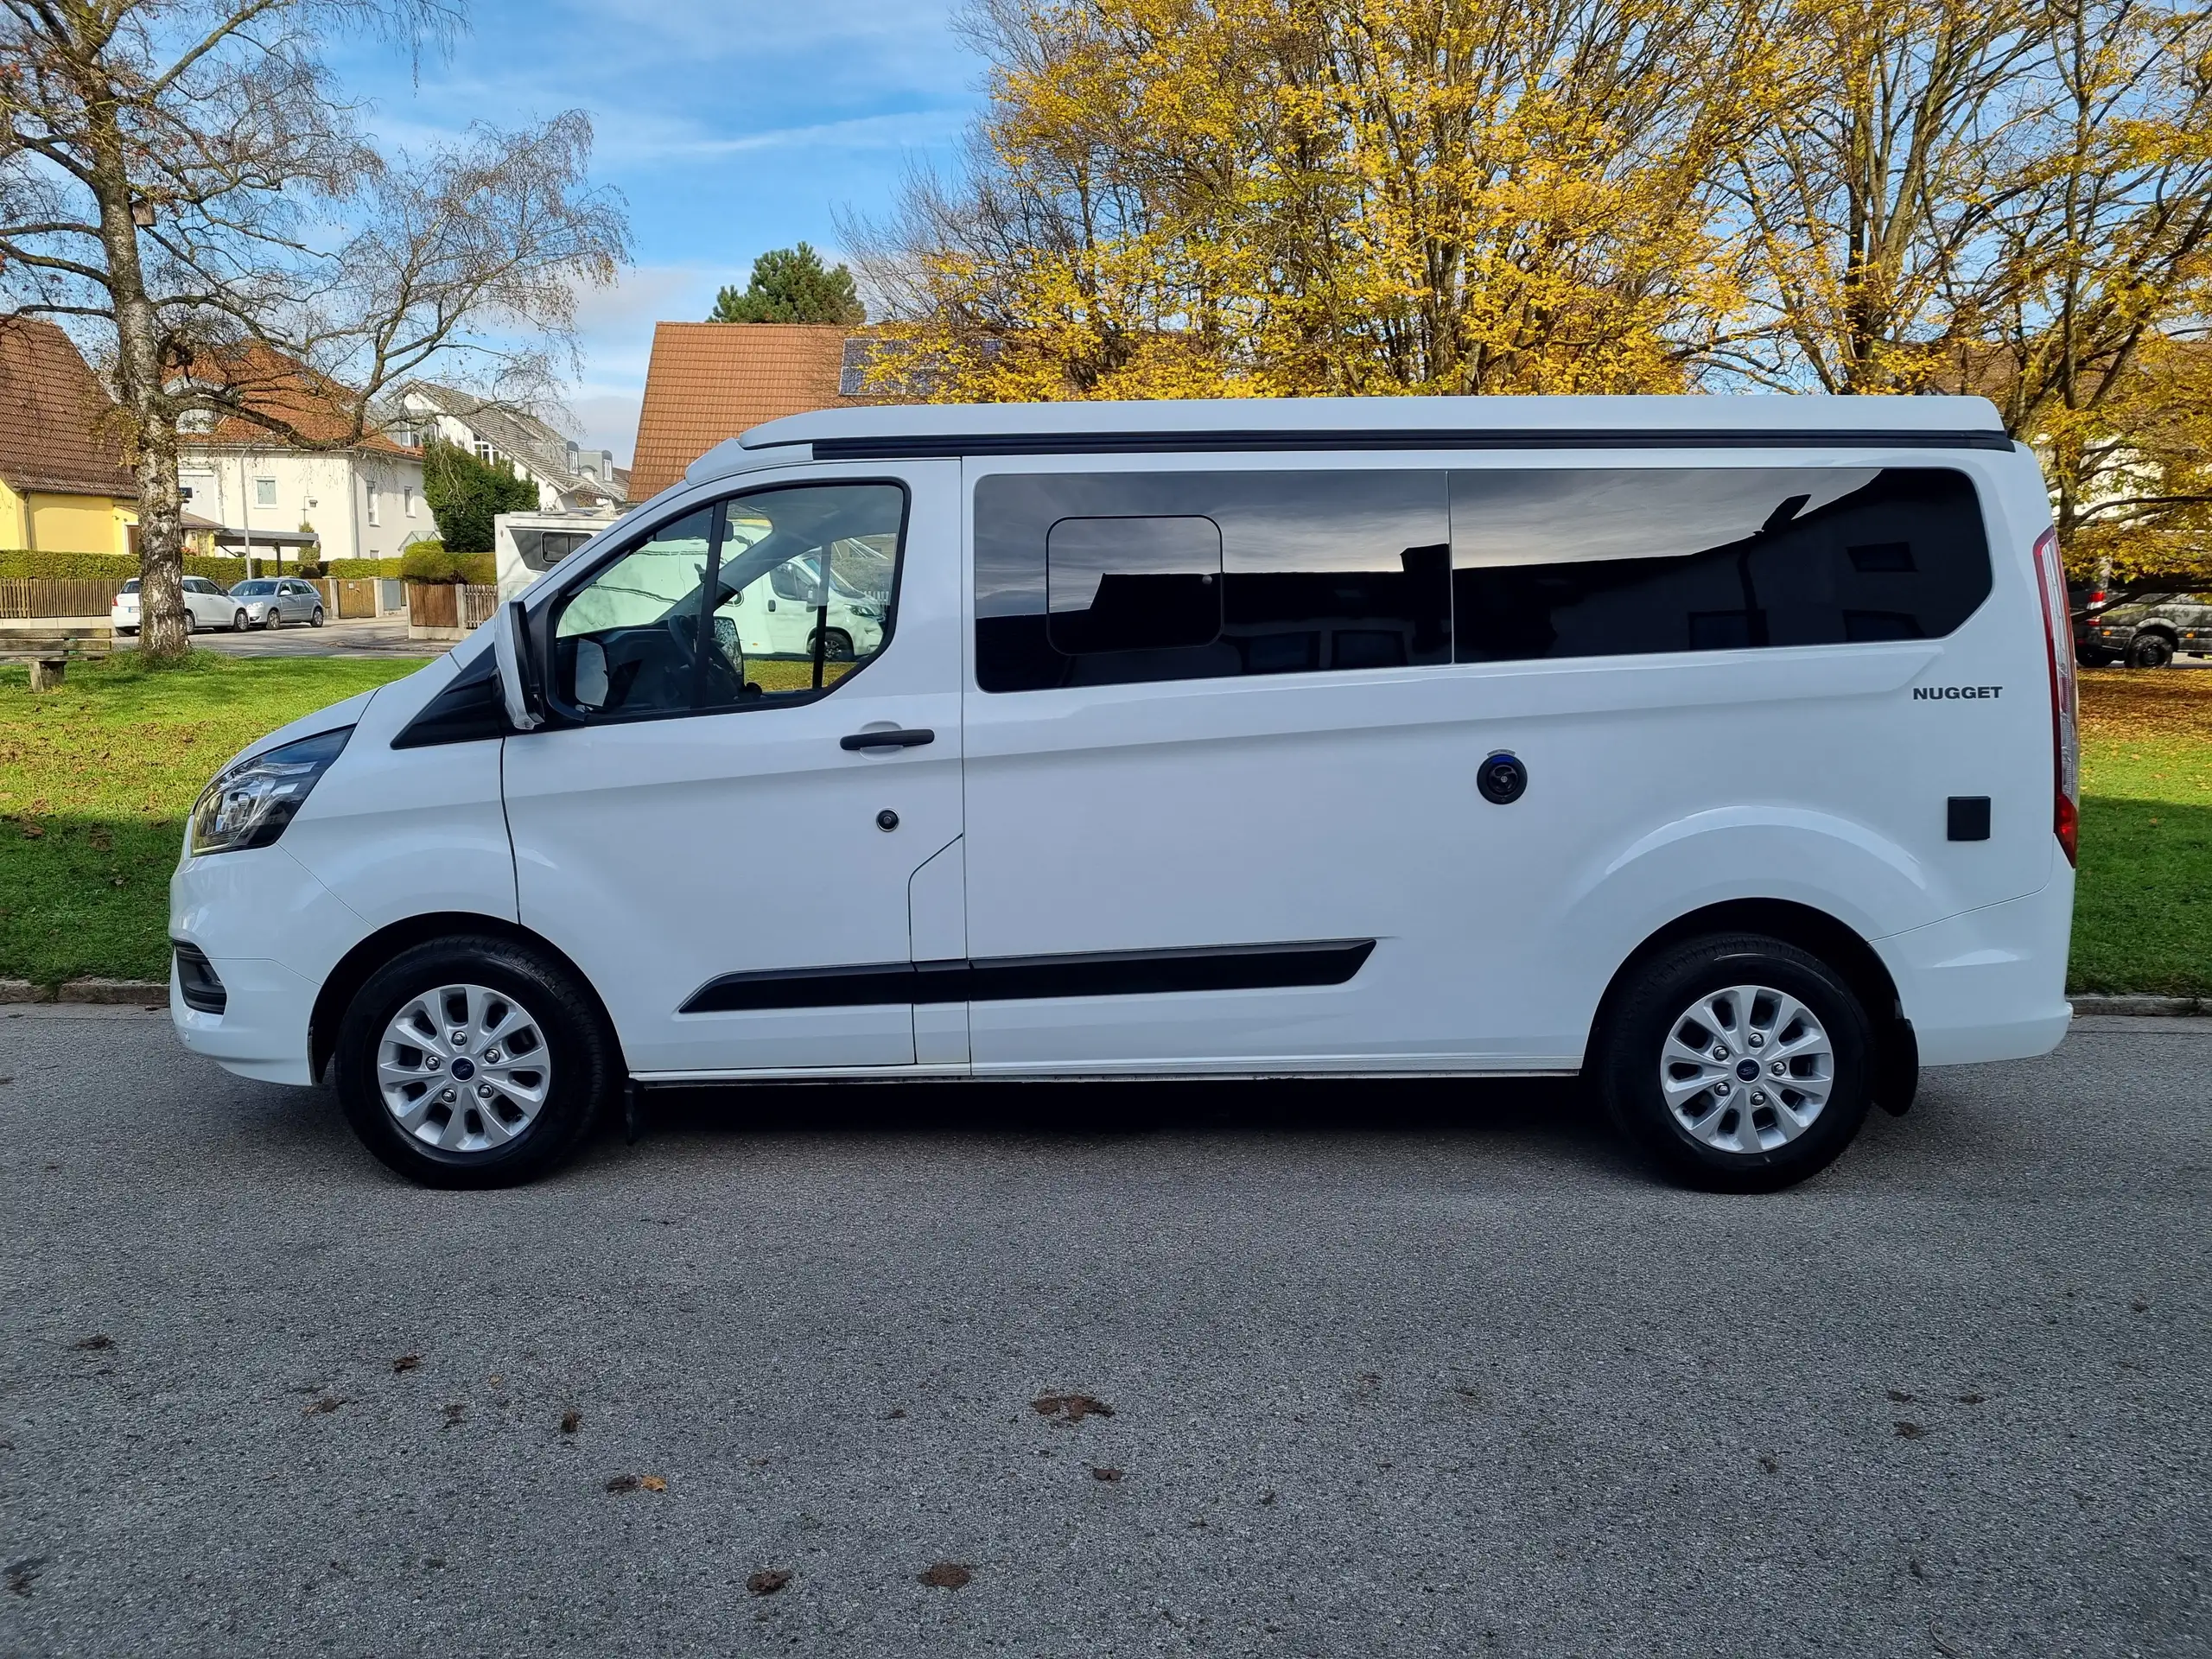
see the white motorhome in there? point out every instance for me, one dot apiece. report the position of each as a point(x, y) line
point(1719, 750)
point(525, 546)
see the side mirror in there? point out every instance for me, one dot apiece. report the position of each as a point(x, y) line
point(511, 645)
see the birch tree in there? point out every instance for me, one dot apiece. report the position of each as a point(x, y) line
point(183, 183)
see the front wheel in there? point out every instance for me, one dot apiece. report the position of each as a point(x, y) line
point(269, 619)
point(316, 622)
point(474, 1062)
point(1737, 1064)
point(2150, 650)
point(237, 622)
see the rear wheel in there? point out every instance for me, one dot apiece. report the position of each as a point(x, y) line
point(1737, 1064)
point(2150, 650)
point(474, 1062)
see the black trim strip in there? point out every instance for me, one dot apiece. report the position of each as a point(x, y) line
point(1014, 979)
point(934, 446)
point(197, 981)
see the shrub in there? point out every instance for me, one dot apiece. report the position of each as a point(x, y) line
point(429, 562)
point(354, 569)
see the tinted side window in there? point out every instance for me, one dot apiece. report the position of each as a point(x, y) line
point(1612, 561)
point(1316, 571)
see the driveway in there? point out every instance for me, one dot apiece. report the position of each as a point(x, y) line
point(1378, 1369)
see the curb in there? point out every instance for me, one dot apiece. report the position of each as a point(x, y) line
point(108, 992)
point(2141, 1005)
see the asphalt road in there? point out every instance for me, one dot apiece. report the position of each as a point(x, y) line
point(383, 636)
point(1392, 1372)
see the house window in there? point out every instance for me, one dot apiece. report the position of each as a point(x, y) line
point(407, 499)
point(184, 493)
point(485, 452)
point(372, 486)
point(264, 491)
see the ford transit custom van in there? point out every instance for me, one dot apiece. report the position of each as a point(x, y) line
point(1720, 751)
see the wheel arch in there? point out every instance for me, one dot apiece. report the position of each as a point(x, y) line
point(1896, 1062)
point(343, 981)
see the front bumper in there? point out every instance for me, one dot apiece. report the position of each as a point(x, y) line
point(272, 932)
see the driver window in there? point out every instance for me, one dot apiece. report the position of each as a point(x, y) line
point(623, 643)
point(796, 585)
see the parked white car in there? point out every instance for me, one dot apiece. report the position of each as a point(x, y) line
point(1719, 750)
point(206, 606)
point(271, 601)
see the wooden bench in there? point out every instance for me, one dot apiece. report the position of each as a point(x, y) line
point(50, 652)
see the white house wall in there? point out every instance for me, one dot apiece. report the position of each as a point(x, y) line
point(327, 492)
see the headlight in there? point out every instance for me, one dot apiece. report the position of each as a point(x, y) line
point(249, 805)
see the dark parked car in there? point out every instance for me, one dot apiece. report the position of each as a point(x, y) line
point(2146, 630)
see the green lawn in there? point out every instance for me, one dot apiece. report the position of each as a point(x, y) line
point(95, 781)
point(2143, 912)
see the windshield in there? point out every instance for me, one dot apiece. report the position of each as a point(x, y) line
point(253, 590)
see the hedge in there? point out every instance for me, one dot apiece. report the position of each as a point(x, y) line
point(429, 562)
point(24, 564)
point(354, 570)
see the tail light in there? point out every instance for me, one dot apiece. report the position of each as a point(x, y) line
point(2065, 731)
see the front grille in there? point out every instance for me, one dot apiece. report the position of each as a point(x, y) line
point(196, 982)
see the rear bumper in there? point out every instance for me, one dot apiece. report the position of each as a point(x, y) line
point(1989, 984)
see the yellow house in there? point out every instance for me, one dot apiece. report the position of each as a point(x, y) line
point(63, 485)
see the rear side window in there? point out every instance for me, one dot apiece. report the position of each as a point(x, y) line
point(1114, 578)
point(1618, 562)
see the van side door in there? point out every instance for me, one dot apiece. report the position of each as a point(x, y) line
point(724, 838)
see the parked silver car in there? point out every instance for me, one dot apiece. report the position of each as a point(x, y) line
point(272, 601)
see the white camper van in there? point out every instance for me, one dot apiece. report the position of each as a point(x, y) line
point(525, 546)
point(1719, 750)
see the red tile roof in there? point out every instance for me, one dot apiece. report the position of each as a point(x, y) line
point(59, 429)
point(312, 404)
point(709, 381)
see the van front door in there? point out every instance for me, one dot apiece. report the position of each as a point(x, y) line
point(726, 839)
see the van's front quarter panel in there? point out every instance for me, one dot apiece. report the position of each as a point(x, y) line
point(387, 834)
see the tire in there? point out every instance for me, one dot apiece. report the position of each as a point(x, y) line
point(191, 622)
point(316, 622)
point(1648, 1025)
point(837, 646)
point(465, 1147)
point(270, 620)
point(237, 623)
point(2150, 650)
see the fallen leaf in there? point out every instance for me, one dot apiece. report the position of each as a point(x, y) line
point(768, 1580)
point(652, 1483)
point(24, 1573)
point(890, 1416)
point(324, 1407)
point(946, 1575)
point(2138, 1306)
point(1900, 1396)
point(1070, 1407)
point(1970, 1399)
point(456, 1414)
point(1096, 1473)
point(94, 1344)
point(1910, 1430)
point(407, 1363)
point(572, 1420)
point(1770, 1463)
point(621, 1482)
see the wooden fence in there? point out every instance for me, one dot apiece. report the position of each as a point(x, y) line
point(450, 605)
point(57, 596)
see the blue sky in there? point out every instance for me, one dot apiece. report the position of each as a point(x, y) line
point(730, 128)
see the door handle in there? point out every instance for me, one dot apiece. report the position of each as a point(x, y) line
point(912, 738)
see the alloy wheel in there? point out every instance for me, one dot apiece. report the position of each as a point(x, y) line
point(463, 1068)
point(1746, 1070)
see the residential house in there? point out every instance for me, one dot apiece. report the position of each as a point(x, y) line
point(709, 381)
point(63, 485)
point(570, 479)
point(361, 499)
